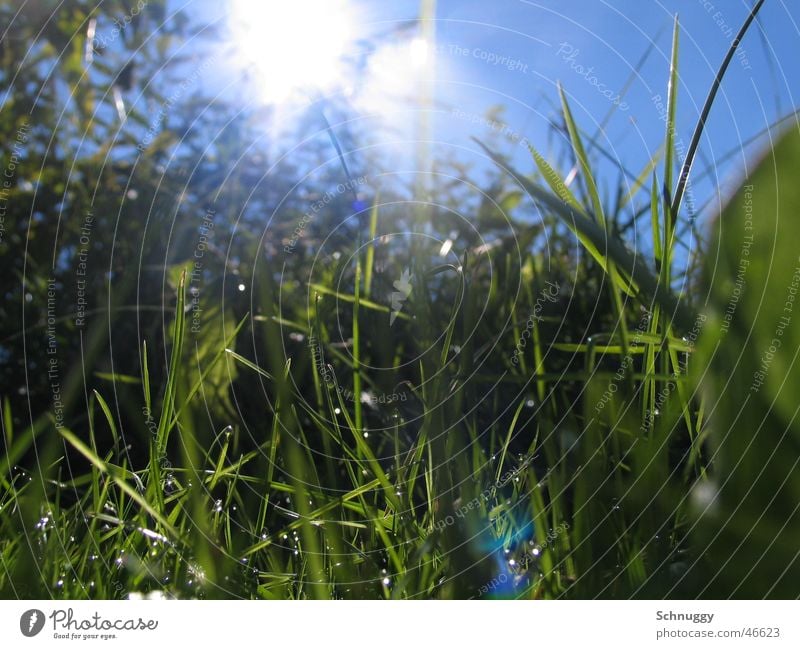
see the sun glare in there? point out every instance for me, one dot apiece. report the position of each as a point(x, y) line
point(296, 45)
point(393, 77)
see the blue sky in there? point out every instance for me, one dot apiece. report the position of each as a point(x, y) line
point(513, 52)
point(560, 40)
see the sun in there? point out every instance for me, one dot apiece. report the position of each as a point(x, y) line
point(294, 45)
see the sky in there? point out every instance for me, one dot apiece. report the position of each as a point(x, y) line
point(513, 53)
point(561, 41)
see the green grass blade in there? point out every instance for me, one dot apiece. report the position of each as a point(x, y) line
point(691, 152)
point(583, 160)
point(168, 408)
point(370, 262)
point(554, 181)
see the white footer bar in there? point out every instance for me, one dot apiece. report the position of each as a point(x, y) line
point(404, 625)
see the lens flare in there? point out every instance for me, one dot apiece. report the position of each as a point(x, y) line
point(294, 46)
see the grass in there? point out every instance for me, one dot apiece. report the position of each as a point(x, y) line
point(567, 473)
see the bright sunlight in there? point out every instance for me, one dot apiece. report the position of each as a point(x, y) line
point(296, 46)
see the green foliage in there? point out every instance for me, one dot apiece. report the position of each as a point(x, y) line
point(749, 519)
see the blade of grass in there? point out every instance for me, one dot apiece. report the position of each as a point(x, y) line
point(704, 113)
point(370, 261)
point(582, 159)
point(165, 421)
